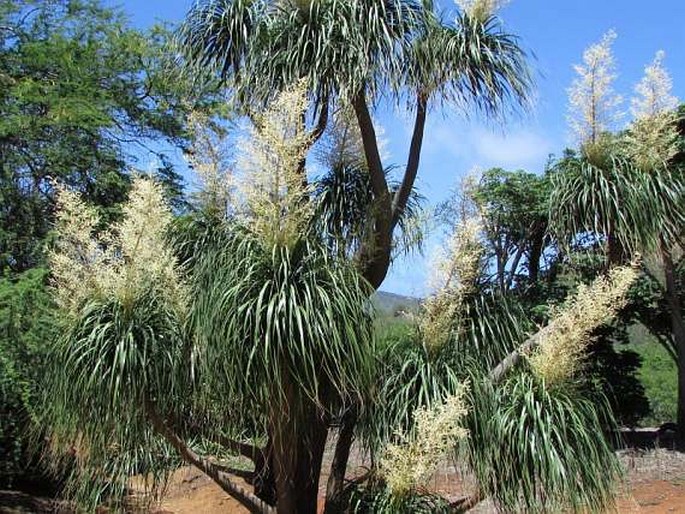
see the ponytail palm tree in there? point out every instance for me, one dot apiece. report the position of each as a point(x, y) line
point(284, 341)
point(627, 190)
point(268, 337)
point(258, 332)
point(628, 208)
point(362, 52)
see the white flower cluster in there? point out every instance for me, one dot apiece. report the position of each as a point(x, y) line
point(411, 461)
point(456, 271)
point(654, 91)
point(210, 159)
point(272, 186)
point(653, 137)
point(116, 263)
point(593, 104)
point(480, 9)
point(558, 357)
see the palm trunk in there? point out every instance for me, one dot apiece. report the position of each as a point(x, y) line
point(615, 251)
point(298, 431)
point(263, 481)
point(374, 255)
point(536, 246)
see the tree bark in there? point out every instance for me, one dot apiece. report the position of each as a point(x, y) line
point(401, 197)
point(514, 265)
point(298, 430)
point(263, 479)
point(336, 480)
point(374, 255)
point(616, 252)
point(510, 361)
point(537, 242)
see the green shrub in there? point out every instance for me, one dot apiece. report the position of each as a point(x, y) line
point(659, 376)
point(26, 327)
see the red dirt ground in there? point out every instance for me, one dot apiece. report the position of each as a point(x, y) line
point(655, 484)
point(193, 494)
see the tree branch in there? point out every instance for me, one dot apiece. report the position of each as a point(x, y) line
point(336, 479)
point(402, 194)
point(214, 471)
point(515, 265)
point(245, 474)
point(379, 185)
point(374, 254)
point(510, 361)
point(467, 503)
point(321, 123)
point(254, 453)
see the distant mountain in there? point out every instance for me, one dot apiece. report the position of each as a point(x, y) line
point(390, 304)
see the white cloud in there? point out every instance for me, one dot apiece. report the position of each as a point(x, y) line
point(521, 149)
point(467, 144)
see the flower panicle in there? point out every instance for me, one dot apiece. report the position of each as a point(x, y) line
point(120, 262)
point(593, 103)
point(480, 9)
point(653, 138)
point(559, 356)
point(409, 462)
point(273, 188)
point(457, 270)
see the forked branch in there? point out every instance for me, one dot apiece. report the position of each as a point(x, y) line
point(212, 470)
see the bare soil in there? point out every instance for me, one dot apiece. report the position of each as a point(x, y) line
point(655, 483)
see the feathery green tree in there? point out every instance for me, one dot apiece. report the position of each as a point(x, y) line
point(79, 91)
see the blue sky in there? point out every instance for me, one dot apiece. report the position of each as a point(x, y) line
point(555, 33)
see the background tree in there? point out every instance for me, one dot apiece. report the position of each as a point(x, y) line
point(514, 209)
point(26, 323)
point(80, 91)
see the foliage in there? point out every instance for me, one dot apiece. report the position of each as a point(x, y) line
point(141, 358)
point(80, 89)
point(456, 273)
point(535, 449)
point(599, 197)
point(659, 375)
point(357, 54)
point(607, 199)
point(27, 326)
point(340, 48)
point(527, 436)
point(377, 499)
point(81, 93)
point(345, 204)
point(299, 315)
